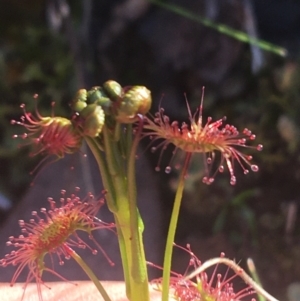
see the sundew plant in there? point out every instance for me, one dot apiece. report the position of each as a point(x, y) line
point(112, 120)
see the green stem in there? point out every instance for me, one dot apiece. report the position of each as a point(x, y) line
point(122, 198)
point(139, 271)
point(89, 272)
point(124, 255)
point(254, 274)
point(122, 215)
point(111, 198)
point(172, 230)
point(113, 158)
point(107, 181)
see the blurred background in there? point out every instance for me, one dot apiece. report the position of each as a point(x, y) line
point(55, 47)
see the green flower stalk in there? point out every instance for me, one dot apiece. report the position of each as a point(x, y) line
point(115, 151)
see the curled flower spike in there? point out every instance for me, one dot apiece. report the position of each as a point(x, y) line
point(54, 231)
point(92, 120)
point(49, 135)
point(135, 100)
point(113, 89)
point(208, 139)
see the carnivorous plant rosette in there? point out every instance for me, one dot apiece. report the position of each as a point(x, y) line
point(197, 284)
point(194, 137)
point(54, 232)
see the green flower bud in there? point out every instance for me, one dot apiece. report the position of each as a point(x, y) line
point(113, 89)
point(81, 95)
point(97, 96)
point(93, 120)
point(79, 102)
point(78, 106)
point(136, 100)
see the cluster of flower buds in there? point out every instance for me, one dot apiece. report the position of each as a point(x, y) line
point(53, 135)
point(121, 104)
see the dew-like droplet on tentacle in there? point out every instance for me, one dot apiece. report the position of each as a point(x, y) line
point(259, 147)
point(242, 141)
point(246, 132)
point(210, 181)
point(221, 168)
point(254, 168)
point(168, 169)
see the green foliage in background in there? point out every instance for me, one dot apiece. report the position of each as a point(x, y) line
point(32, 60)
